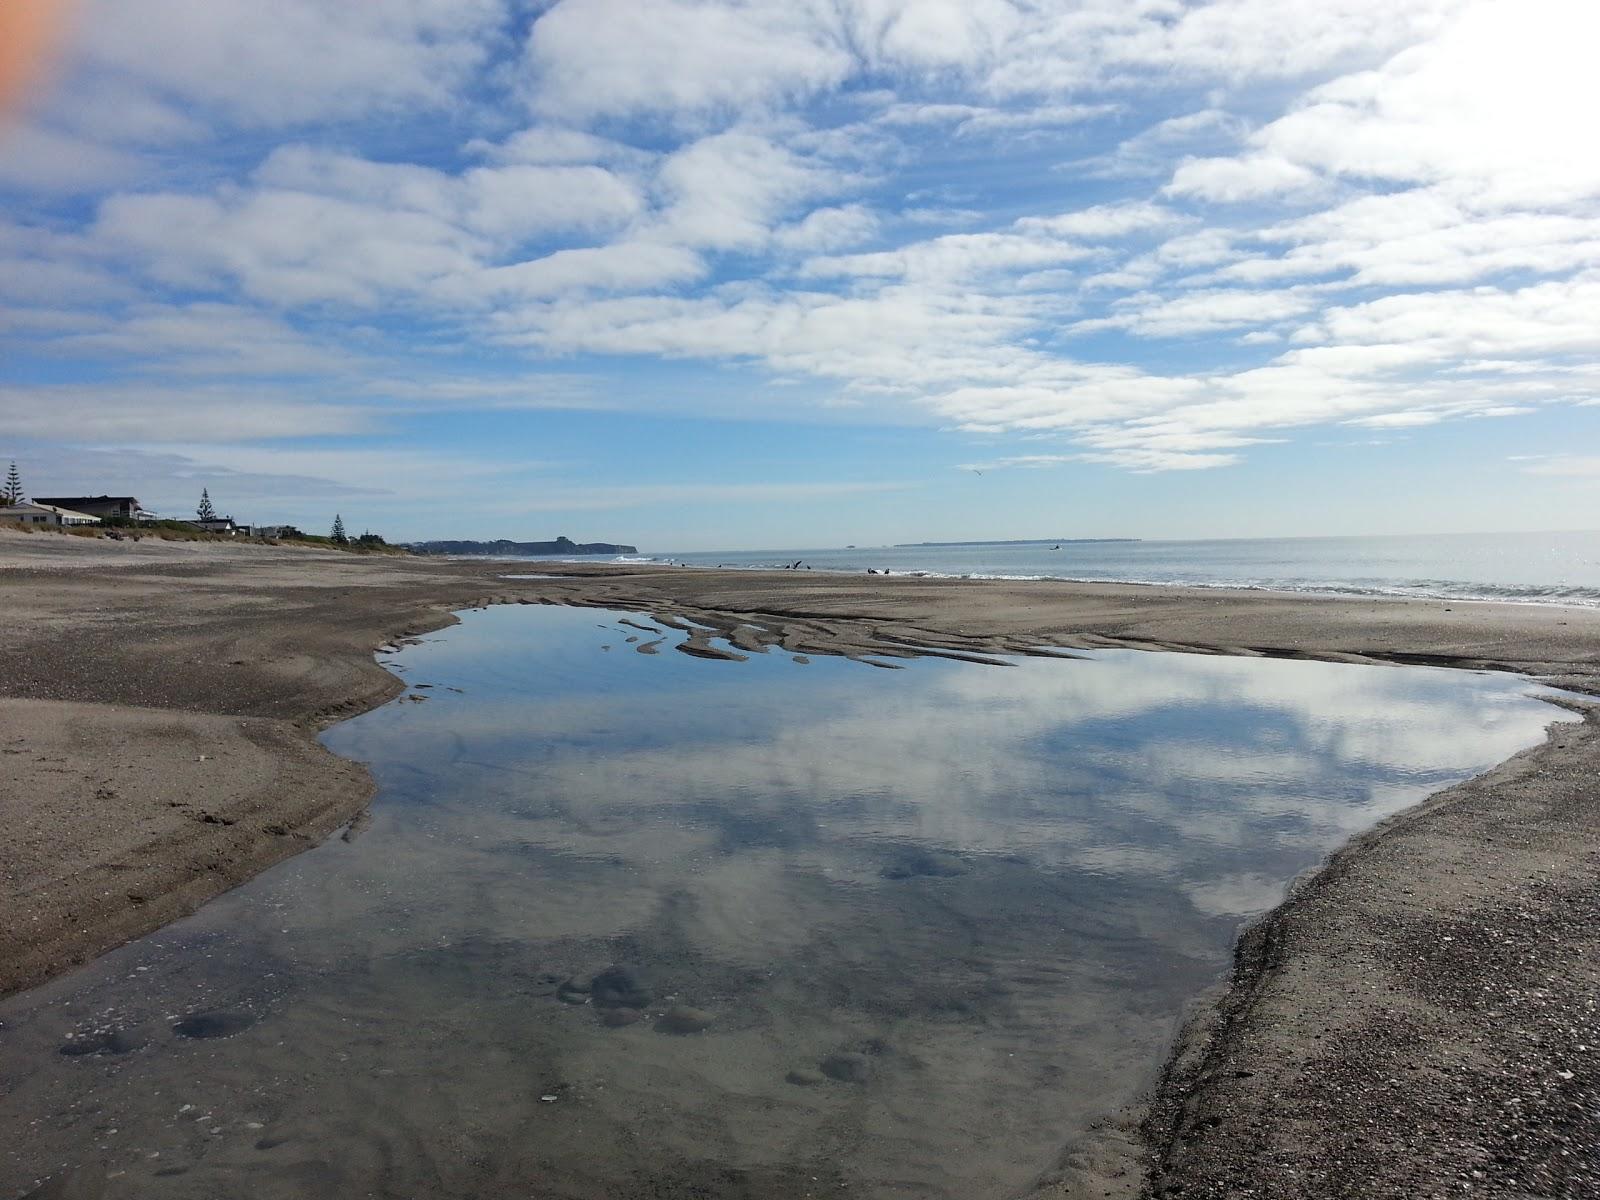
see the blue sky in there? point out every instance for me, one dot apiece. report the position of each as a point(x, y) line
point(716, 275)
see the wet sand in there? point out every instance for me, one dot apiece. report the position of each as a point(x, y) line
point(1413, 1016)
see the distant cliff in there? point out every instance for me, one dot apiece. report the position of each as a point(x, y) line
point(511, 549)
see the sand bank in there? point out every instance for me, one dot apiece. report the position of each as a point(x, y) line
point(1411, 1017)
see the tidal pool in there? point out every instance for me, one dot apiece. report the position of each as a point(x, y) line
point(629, 924)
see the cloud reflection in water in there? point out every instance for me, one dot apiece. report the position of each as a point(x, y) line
point(978, 896)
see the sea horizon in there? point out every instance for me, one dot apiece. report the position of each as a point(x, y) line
point(1560, 567)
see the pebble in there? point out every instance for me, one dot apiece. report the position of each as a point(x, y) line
point(620, 987)
point(805, 1077)
point(617, 1018)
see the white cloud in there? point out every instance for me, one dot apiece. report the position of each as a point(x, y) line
point(1565, 466)
point(1417, 237)
point(207, 339)
point(1118, 42)
point(49, 280)
point(36, 158)
point(1152, 151)
point(514, 203)
point(1494, 105)
point(1104, 221)
point(507, 203)
point(622, 266)
point(554, 144)
point(377, 471)
point(826, 229)
point(933, 34)
point(1150, 459)
point(975, 120)
point(954, 256)
point(286, 247)
point(1501, 98)
point(1206, 311)
point(680, 56)
point(1233, 180)
point(328, 228)
point(688, 59)
point(899, 339)
point(1029, 461)
point(118, 111)
point(153, 412)
point(1551, 318)
point(950, 217)
point(293, 60)
point(727, 191)
point(1413, 419)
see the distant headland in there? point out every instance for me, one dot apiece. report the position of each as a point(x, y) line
point(510, 549)
point(1020, 542)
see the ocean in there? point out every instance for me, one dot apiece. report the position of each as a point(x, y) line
point(1538, 568)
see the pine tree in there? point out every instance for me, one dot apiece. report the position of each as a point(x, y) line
point(205, 511)
point(12, 493)
point(338, 530)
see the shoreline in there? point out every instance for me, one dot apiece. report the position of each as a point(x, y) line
point(1590, 599)
point(1496, 1094)
point(222, 644)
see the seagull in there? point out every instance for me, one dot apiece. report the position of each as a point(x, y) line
point(975, 471)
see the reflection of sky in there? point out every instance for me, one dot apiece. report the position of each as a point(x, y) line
point(1012, 877)
point(1221, 775)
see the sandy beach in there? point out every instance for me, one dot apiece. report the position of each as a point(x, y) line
point(1416, 1020)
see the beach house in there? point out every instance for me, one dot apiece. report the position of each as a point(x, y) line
point(45, 515)
point(127, 508)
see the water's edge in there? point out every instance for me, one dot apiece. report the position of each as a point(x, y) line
point(1141, 1152)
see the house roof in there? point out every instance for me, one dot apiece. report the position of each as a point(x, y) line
point(41, 506)
point(133, 500)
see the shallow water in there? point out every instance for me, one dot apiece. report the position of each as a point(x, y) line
point(884, 933)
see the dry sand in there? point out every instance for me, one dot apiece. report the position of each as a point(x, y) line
point(1418, 1020)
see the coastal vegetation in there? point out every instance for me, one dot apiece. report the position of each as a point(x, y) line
point(186, 531)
